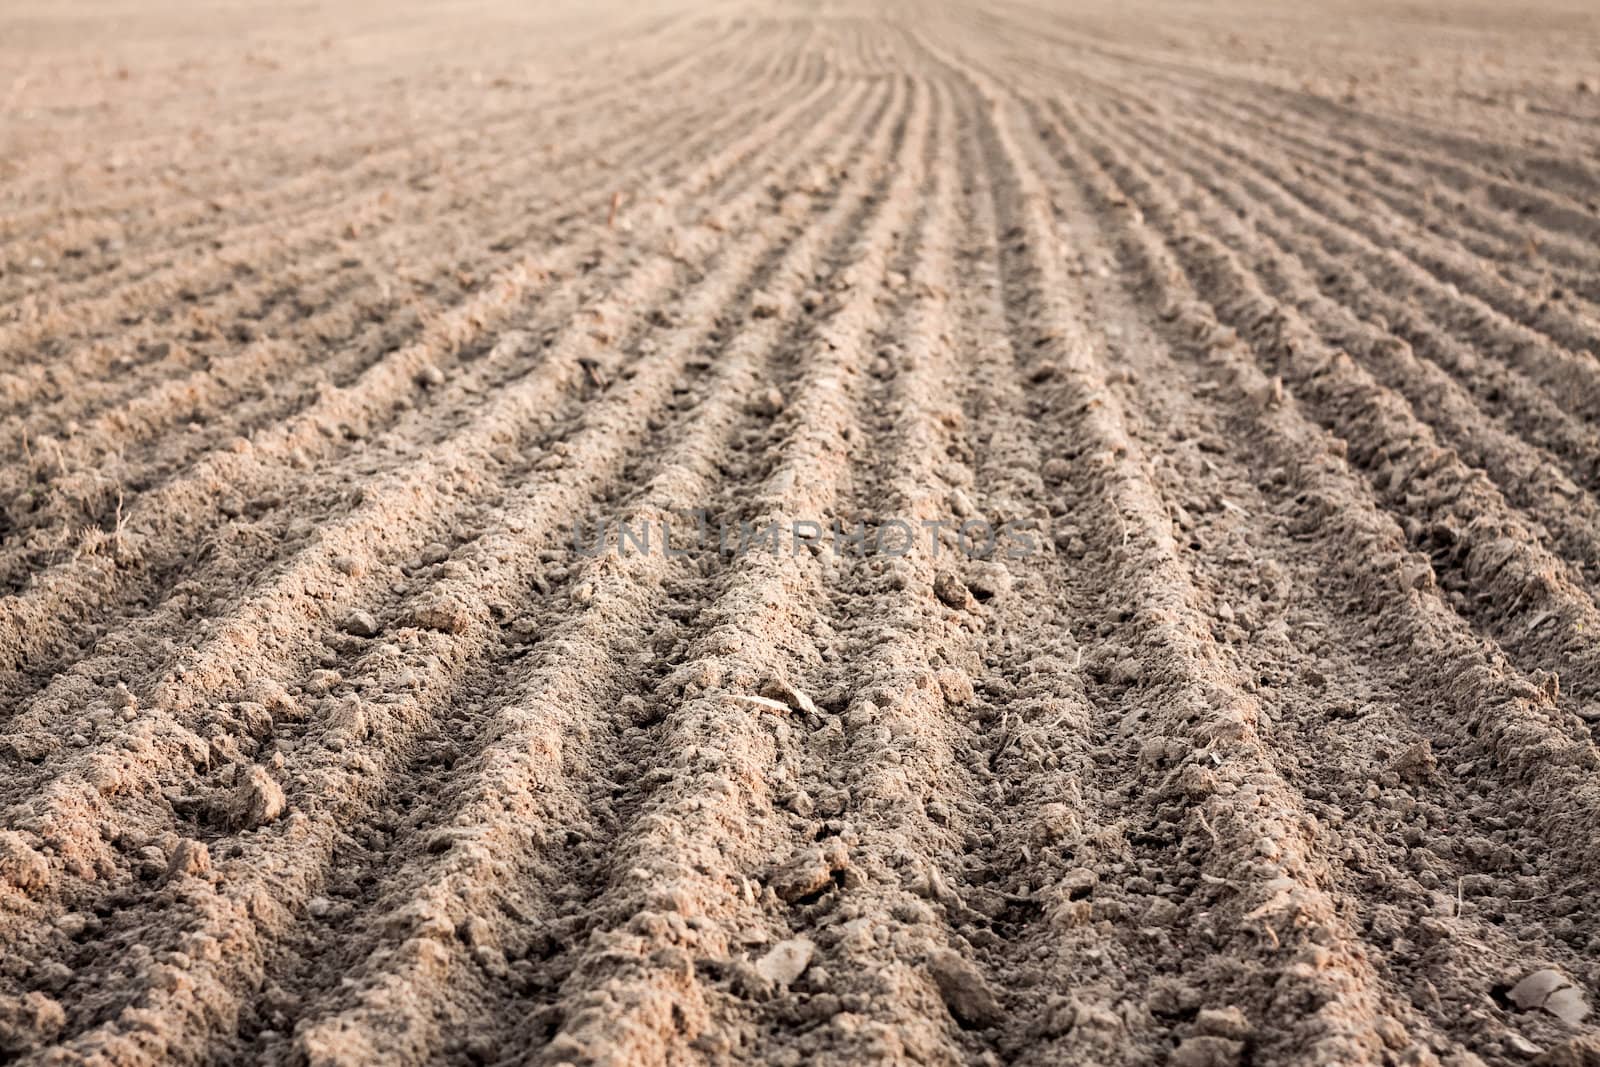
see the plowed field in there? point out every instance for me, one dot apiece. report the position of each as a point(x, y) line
point(794, 532)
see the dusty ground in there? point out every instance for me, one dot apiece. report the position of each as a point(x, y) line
point(1273, 742)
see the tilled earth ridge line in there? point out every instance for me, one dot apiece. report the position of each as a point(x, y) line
point(768, 532)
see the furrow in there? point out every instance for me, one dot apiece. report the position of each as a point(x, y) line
point(188, 397)
point(1393, 579)
point(895, 658)
point(1536, 415)
point(1462, 696)
point(1509, 584)
point(1528, 331)
point(71, 589)
point(287, 235)
point(1534, 318)
point(356, 164)
point(1381, 332)
point(1544, 207)
point(1501, 245)
point(755, 531)
point(558, 724)
point(1323, 144)
point(513, 230)
point(1446, 158)
point(651, 147)
point(312, 434)
point(504, 567)
point(1261, 893)
point(679, 882)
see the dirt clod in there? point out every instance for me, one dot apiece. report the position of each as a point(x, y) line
point(191, 859)
point(361, 624)
point(951, 590)
point(21, 865)
point(809, 871)
point(768, 402)
point(964, 990)
point(28, 1021)
point(257, 799)
point(1552, 991)
point(783, 692)
point(1226, 1022)
point(786, 961)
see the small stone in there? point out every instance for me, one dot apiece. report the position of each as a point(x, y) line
point(434, 553)
point(768, 402)
point(361, 624)
point(1056, 470)
point(960, 504)
point(950, 590)
point(1515, 1042)
point(786, 961)
point(429, 376)
point(779, 689)
point(965, 992)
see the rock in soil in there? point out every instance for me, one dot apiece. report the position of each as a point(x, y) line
point(964, 990)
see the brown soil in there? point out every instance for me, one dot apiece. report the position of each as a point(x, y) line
point(1266, 733)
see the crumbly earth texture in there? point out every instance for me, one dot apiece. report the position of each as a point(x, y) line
point(1262, 336)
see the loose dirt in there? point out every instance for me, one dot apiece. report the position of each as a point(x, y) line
point(1208, 671)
